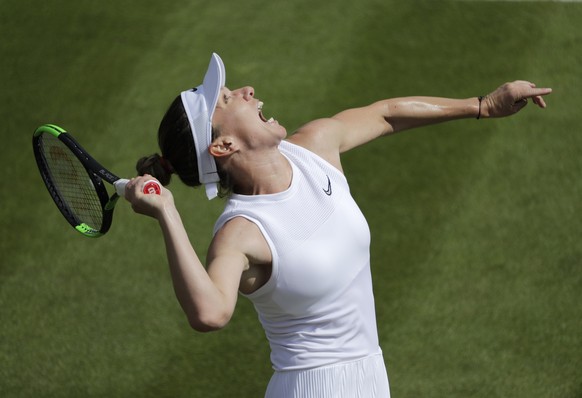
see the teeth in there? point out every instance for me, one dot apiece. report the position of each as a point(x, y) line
point(260, 108)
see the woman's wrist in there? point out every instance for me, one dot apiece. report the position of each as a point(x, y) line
point(481, 99)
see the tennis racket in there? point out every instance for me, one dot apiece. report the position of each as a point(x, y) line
point(74, 180)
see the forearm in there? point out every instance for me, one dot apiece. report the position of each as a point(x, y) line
point(506, 100)
point(411, 112)
point(199, 297)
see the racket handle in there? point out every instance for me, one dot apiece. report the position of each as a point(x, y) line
point(150, 187)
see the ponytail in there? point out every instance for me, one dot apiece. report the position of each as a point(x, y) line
point(157, 167)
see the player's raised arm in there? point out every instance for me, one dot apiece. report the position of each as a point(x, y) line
point(360, 125)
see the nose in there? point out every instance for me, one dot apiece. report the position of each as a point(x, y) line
point(247, 92)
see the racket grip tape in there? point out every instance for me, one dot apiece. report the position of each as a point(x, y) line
point(151, 187)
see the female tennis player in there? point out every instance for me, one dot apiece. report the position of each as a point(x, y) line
point(291, 238)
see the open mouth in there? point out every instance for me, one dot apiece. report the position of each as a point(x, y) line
point(261, 116)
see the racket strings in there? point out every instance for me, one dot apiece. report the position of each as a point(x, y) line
point(72, 181)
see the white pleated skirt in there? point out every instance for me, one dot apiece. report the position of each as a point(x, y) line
point(364, 378)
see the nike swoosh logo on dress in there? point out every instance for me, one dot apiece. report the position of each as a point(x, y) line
point(328, 190)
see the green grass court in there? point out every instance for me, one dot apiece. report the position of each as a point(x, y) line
point(476, 225)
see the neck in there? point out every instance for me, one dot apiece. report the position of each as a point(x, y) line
point(263, 173)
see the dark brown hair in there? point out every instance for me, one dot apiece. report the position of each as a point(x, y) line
point(178, 151)
point(177, 147)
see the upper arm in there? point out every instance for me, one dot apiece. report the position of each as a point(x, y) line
point(226, 261)
point(362, 125)
point(347, 130)
point(236, 247)
point(357, 126)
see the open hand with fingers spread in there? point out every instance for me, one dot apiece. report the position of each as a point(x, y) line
point(511, 97)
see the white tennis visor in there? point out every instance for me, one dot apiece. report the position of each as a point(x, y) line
point(199, 104)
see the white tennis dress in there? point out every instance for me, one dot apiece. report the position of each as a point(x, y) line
point(317, 308)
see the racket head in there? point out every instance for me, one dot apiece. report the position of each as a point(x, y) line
point(79, 193)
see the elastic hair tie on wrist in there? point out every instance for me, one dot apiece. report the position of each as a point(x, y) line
point(480, 98)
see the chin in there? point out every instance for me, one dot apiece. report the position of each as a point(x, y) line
point(283, 132)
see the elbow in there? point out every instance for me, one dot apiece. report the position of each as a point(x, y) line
point(208, 323)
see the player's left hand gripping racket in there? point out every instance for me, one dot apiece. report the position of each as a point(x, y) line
point(75, 181)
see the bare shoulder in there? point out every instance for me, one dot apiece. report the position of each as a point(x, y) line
point(242, 236)
point(322, 137)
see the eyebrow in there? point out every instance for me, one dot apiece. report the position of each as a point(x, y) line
point(222, 95)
